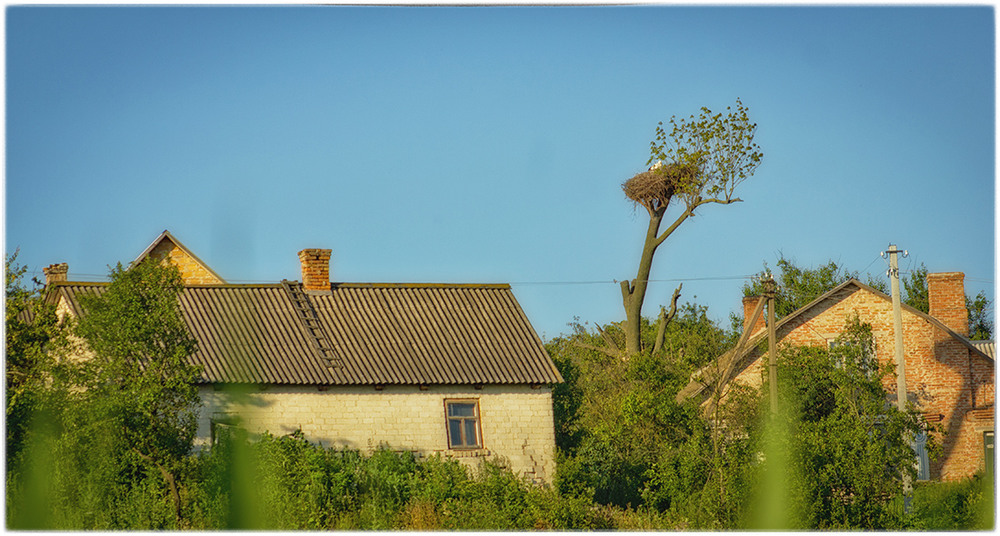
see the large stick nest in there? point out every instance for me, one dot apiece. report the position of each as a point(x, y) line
point(659, 184)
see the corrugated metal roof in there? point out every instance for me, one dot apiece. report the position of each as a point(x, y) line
point(380, 334)
point(987, 347)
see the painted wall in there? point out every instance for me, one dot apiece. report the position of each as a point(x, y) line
point(516, 422)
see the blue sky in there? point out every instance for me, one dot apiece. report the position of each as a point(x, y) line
point(489, 144)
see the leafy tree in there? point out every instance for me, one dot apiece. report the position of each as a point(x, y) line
point(120, 403)
point(628, 422)
point(707, 157)
point(138, 382)
point(31, 325)
point(567, 398)
point(980, 317)
point(915, 289)
point(798, 286)
point(848, 446)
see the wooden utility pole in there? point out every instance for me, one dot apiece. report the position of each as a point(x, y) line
point(772, 360)
point(897, 320)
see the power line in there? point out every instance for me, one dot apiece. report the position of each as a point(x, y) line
point(617, 281)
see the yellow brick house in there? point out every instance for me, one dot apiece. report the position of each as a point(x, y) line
point(454, 369)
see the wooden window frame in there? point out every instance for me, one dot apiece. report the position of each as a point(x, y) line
point(477, 418)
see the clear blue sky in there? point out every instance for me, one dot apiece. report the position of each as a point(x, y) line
point(489, 144)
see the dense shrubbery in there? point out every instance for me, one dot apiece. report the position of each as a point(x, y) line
point(287, 483)
point(963, 505)
point(832, 460)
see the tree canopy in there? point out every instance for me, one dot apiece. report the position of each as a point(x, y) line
point(799, 286)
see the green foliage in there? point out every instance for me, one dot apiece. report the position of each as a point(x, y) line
point(32, 328)
point(963, 505)
point(294, 484)
point(567, 399)
point(720, 145)
point(980, 317)
point(797, 286)
point(706, 478)
point(138, 374)
point(115, 416)
point(632, 434)
point(847, 444)
point(915, 289)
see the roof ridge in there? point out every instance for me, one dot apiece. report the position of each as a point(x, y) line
point(334, 285)
point(757, 337)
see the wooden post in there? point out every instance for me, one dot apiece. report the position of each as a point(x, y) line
point(772, 359)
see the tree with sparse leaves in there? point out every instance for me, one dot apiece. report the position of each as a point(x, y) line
point(697, 161)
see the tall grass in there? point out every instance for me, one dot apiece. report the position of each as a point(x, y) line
point(967, 504)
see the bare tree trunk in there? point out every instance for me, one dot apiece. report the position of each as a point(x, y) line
point(171, 483)
point(634, 292)
point(665, 318)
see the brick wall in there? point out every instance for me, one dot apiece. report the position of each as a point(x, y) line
point(945, 380)
point(192, 272)
point(516, 422)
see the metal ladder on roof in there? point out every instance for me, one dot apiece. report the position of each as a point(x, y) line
point(306, 312)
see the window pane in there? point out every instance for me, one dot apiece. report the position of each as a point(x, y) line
point(461, 410)
point(470, 433)
point(455, 432)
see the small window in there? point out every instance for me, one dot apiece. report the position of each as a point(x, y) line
point(866, 358)
point(463, 424)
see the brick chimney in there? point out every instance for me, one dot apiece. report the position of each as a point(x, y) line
point(749, 304)
point(55, 273)
point(946, 294)
point(315, 268)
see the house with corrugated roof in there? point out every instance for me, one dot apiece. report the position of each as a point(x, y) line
point(949, 378)
point(454, 369)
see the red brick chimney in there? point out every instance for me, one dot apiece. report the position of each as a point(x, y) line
point(749, 304)
point(55, 273)
point(315, 268)
point(946, 294)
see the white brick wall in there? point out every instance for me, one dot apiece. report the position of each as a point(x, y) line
point(516, 421)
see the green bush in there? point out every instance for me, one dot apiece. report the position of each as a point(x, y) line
point(963, 505)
